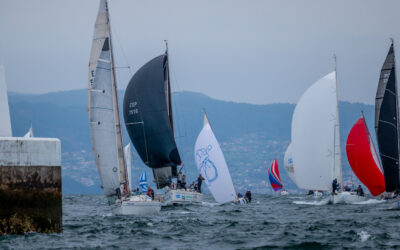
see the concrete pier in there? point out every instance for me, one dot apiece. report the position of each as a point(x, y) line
point(30, 185)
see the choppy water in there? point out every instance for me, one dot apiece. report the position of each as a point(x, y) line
point(269, 222)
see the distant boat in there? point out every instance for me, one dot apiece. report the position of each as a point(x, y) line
point(210, 162)
point(288, 163)
point(150, 125)
point(5, 121)
point(273, 175)
point(363, 159)
point(29, 134)
point(105, 128)
point(387, 122)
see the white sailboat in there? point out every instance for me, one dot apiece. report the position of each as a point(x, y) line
point(105, 128)
point(315, 143)
point(212, 166)
point(5, 122)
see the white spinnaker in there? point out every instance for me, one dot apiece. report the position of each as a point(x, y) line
point(288, 163)
point(102, 106)
point(5, 122)
point(313, 135)
point(128, 161)
point(211, 164)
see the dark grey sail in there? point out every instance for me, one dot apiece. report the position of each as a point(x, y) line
point(386, 122)
point(148, 119)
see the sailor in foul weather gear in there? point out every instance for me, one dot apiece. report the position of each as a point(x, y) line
point(248, 196)
point(199, 182)
point(335, 186)
point(360, 191)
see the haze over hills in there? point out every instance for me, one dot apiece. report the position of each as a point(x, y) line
point(250, 135)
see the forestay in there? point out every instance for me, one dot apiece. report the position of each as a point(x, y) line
point(314, 128)
point(103, 108)
point(5, 123)
point(211, 164)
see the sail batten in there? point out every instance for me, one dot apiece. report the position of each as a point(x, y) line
point(386, 122)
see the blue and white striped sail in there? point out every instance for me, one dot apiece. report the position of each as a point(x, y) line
point(143, 183)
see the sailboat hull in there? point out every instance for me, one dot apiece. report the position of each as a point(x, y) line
point(139, 205)
point(346, 198)
point(182, 197)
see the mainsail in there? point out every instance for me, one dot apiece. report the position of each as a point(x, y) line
point(314, 129)
point(5, 122)
point(363, 158)
point(211, 164)
point(104, 118)
point(274, 178)
point(288, 163)
point(386, 122)
point(148, 119)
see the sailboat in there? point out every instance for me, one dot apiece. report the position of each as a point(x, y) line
point(105, 128)
point(150, 125)
point(363, 158)
point(387, 122)
point(274, 178)
point(5, 121)
point(315, 145)
point(210, 162)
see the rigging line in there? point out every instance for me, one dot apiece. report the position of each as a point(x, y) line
point(121, 48)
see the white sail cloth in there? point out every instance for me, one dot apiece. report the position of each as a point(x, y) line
point(314, 129)
point(211, 164)
point(288, 163)
point(5, 122)
point(128, 161)
point(102, 105)
point(29, 134)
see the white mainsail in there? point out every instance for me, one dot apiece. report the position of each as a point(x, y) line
point(211, 164)
point(103, 108)
point(29, 134)
point(288, 163)
point(128, 161)
point(5, 122)
point(314, 129)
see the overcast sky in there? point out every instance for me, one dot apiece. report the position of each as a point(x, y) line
point(255, 51)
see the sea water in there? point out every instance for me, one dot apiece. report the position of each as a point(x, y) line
point(268, 222)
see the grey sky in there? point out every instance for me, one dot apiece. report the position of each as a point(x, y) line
point(245, 51)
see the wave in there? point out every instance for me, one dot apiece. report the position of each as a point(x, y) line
point(313, 203)
point(363, 236)
point(367, 202)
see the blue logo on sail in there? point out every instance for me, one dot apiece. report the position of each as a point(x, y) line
point(143, 182)
point(207, 167)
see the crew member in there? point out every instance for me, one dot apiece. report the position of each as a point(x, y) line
point(248, 196)
point(360, 191)
point(199, 182)
point(334, 186)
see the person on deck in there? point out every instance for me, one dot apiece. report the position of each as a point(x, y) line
point(199, 182)
point(360, 191)
point(334, 186)
point(150, 193)
point(239, 195)
point(248, 196)
point(184, 182)
point(179, 181)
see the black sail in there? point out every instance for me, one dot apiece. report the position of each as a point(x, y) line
point(386, 122)
point(148, 119)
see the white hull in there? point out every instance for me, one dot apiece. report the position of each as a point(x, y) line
point(140, 205)
point(182, 197)
point(347, 197)
point(242, 201)
point(284, 192)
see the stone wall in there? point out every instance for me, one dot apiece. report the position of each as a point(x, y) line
point(30, 185)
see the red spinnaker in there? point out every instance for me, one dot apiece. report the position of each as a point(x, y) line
point(363, 159)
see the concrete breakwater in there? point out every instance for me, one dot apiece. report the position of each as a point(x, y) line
point(30, 185)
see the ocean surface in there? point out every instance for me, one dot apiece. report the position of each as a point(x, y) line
point(268, 222)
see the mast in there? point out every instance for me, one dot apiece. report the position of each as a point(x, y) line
point(337, 161)
point(168, 90)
